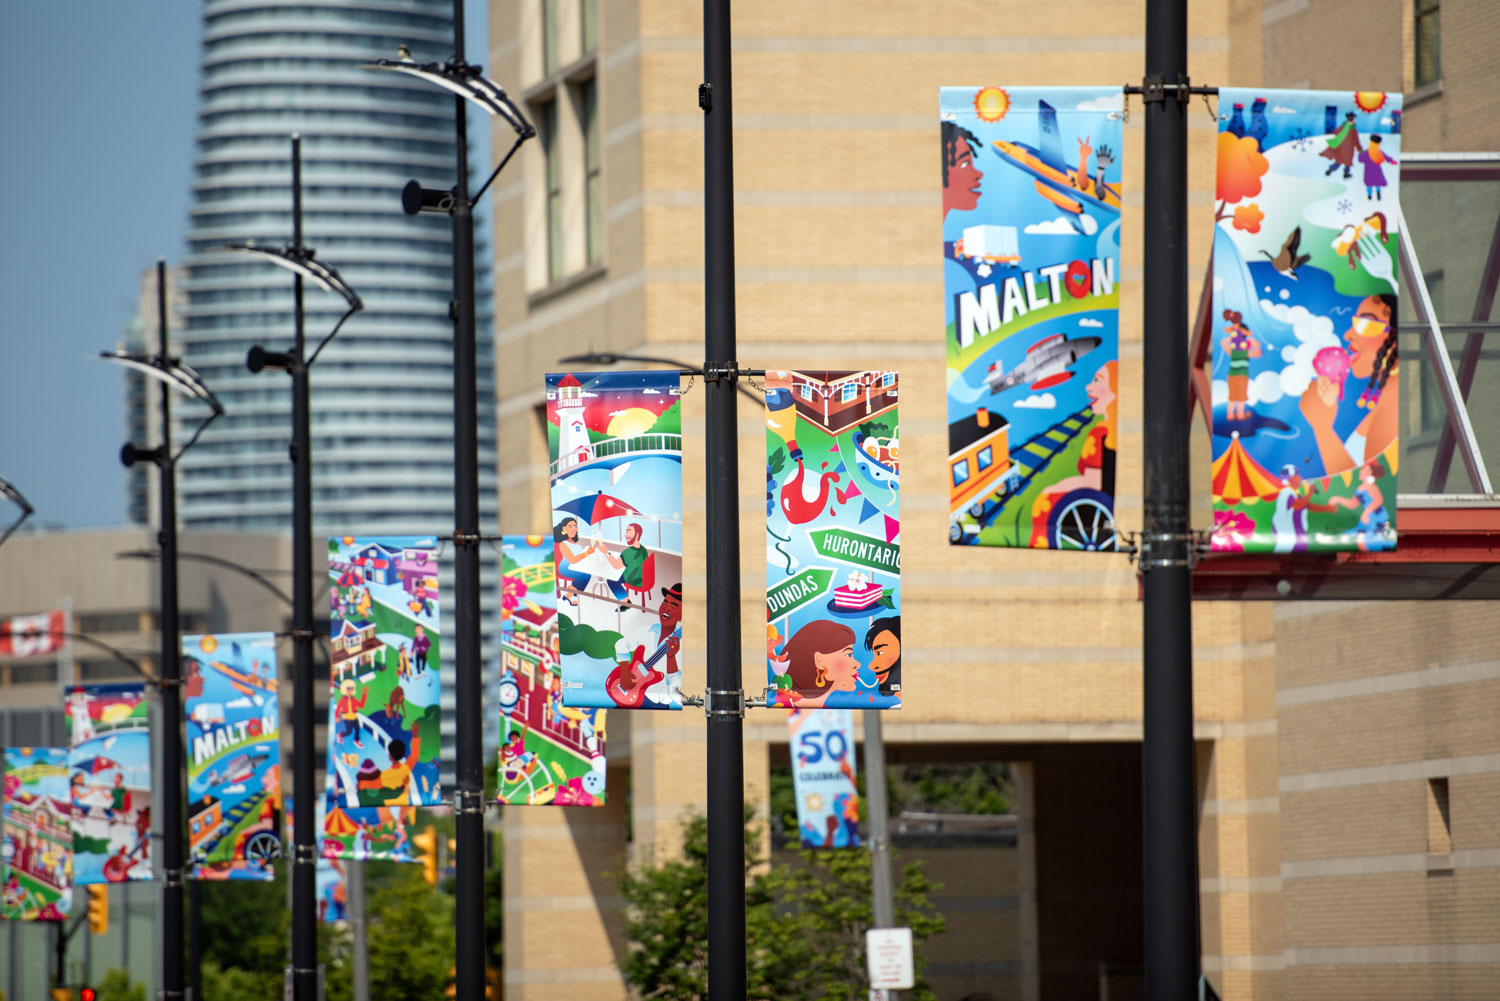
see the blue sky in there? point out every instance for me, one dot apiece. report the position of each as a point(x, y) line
point(98, 103)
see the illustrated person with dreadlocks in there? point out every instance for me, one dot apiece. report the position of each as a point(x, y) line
point(1356, 420)
point(960, 177)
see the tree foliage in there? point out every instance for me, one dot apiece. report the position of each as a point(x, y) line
point(805, 922)
point(951, 787)
point(1240, 167)
point(117, 986)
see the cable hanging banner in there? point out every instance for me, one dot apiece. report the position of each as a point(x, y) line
point(233, 754)
point(823, 776)
point(1304, 360)
point(615, 440)
point(109, 780)
point(36, 835)
point(550, 753)
point(833, 539)
point(1031, 265)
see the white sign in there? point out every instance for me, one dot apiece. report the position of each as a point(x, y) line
point(888, 951)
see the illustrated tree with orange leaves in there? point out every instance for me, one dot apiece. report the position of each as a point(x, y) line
point(1240, 168)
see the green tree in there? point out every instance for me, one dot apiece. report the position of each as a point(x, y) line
point(805, 922)
point(117, 986)
point(410, 935)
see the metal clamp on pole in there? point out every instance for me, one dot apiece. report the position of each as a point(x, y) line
point(724, 371)
point(1175, 549)
point(165, 993)
point(1154, 87)
point(171, 877)
point(468, 801)
point(724, 702)
point(466, 538)
point(304, 855)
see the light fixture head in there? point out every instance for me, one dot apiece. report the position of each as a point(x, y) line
point(258, 358)
point(467, 82)
point(169, 371)
point(416, 199)
point(301, 261)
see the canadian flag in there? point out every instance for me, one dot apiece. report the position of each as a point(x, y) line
point(32, 635)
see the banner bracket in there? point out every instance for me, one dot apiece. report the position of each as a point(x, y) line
point(723, 371)
point(304, 855)
point(172, 877)
point(1177, 549)
point(724, 702)
point(468, 801)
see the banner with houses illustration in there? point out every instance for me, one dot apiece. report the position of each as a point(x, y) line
point(1304, 371)
point(1031, 265)
point(615, 440)
point(823, 776)
point(36, 835)
point(109, 782)
point(384, 735)
point(833, 539)
point(550, 753)
point(233, 754)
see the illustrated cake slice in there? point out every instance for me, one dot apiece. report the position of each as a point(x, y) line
point(857, 595)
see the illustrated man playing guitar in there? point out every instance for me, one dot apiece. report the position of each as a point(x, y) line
point(639, 655)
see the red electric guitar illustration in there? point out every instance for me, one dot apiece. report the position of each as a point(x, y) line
point(628, 682)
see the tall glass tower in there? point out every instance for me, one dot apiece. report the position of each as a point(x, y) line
point(382, 417)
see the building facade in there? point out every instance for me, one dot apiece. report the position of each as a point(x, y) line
point(1347, 834)
point(381, 392)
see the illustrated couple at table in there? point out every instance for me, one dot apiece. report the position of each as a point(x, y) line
point(579, 562)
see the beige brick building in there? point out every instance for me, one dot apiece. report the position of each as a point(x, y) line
point(1349, 838)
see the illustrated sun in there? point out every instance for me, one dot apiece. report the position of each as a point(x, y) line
point(1369, 100)
point(992, 103)
point(208, 644)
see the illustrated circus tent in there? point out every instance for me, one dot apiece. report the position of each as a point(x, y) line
point(1237, 475)
point(339, 825)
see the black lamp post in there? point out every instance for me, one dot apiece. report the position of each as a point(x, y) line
point(10, 493)
point(174, 376)
point(468, 83)
point(299, 259)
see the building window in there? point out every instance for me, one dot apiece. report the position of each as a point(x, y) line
point(593, 180)
point(960, 471)
point(33, 674)
point(807, 391)
point(985, 459)
point(851, 390)
point(568, 190)
point(1439, 820)
point(1429, 41)
point(888, 380)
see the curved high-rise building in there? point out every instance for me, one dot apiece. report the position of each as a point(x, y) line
point(382, 415)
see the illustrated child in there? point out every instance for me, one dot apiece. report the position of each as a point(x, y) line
point(396, 780)
point(513, 754)
point(119, 798)
point(1242, 346)
point(1373, 157)
point(348, 710)
point(403, 663)
point(420, 646)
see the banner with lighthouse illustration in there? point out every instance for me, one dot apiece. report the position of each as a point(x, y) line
point(1304, 370)
point(550, 754)
point(615, 440)
point(1031, 265)
point(233, 754)
point(833, 539)
point(109, 780)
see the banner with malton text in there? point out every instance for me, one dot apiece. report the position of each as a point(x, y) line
point(1031, 265)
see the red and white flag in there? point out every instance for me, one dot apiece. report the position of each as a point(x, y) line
point(32, 635)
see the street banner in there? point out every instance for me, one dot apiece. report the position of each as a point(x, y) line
point(1031, 265)
point(1304, 383)
point(364, 833)
point(833, 539)
point(385, 736)
point(615, 440)
point(33, 635)
point(233, 754)
point(36, 835)
point(550, 753)
point(823, 775)
point(333, 892)
point(109, 780)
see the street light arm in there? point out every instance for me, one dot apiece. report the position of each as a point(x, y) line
point(8, 490)
point(218, 412)
point(496, 172)
point(355, 307)
point(262, 580)
point(609, 358)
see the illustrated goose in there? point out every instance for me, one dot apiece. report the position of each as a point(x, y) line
point(1287, 262)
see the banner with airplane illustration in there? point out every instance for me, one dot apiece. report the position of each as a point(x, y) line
point(833, 539)
point(550, 753)
point(1304, 373)
point(385, 736)
point(823, 777)
point(1031, 266)
point(109, 780)
point(36, 835)
point(615, 440)
point(233, 754)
